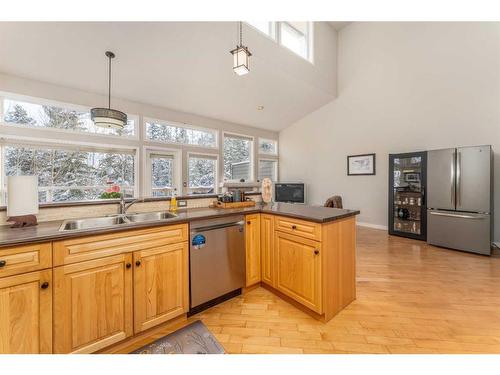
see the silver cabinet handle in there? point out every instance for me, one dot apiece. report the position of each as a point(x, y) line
point(461, 216)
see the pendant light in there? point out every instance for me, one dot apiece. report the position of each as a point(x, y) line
point(108, 117)
point(241, 55)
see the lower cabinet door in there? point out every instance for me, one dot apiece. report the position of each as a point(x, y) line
point(161, 285)
point(92, 304)
point(252, 245)
point(26, 313)
point(267, 248)
point(297, 267)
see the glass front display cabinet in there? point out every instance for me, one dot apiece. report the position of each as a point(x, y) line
point(407, 189)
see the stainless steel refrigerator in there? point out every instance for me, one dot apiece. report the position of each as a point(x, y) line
point(460, 198)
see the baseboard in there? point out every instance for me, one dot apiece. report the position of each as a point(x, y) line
point(373, 226)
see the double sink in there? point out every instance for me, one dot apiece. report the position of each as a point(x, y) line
point(114, 220)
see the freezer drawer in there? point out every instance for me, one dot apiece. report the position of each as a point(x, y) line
point(459, 230)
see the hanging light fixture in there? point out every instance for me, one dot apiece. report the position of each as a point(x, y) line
point(108, 117)
point(241, 55)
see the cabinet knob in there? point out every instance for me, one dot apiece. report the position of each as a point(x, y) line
point(249, 222)
point(3, 263)
point(128, 265)
point(44, 285)
point(294, 227)
point(316, 252)
point(137, 263)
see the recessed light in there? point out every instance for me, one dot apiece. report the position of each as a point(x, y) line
point(260, 107)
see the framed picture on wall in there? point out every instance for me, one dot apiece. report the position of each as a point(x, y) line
point(361, 165)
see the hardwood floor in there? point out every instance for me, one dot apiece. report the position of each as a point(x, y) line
point(411, 298)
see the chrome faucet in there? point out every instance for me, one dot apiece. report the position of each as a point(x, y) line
point(125, 206)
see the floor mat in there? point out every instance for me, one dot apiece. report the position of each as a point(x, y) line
point(195, 338)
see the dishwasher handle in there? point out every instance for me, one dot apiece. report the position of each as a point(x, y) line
point(218, 226)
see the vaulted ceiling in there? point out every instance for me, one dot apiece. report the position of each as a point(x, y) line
point(184, 66)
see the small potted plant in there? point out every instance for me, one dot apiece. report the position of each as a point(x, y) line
point(112, 192)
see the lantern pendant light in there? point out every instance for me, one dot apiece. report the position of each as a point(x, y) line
point(107, 117)
point(241, 55)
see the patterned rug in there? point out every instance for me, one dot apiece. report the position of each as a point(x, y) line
point(195, 338)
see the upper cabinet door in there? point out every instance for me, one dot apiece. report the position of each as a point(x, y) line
point(441, 179)
point(474, 179)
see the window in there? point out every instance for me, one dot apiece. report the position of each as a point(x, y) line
point(202, 174)
point(238, 157)
point(295, 36)
point(268, 146)
point(60, 117)
point(70, 174)
point(269, 169)
point(162, 173)
point(266, 27)
point(172, 133)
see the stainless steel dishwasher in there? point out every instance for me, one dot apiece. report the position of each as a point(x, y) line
point(217, 260)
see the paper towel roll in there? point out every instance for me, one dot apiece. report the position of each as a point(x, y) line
point(22, 195)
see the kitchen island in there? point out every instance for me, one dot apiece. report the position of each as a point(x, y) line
point(97, 288)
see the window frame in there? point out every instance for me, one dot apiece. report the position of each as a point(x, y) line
point(64, 105)
point(8, 140)
point(147, 175)
point(275, 141)
point(272, 27)
point(308, 37)
point(146, 119)
point(276, 26)
point(276, 172)
point(201, 156)
point(228, 134)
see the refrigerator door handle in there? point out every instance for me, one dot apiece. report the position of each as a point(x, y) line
point(461, 216)
point(459, 167)
point(452, 179)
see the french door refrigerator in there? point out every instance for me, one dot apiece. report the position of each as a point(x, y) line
point(407, 195)
point(460, 199)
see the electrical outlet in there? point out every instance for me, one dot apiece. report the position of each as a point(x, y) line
point(182, 203)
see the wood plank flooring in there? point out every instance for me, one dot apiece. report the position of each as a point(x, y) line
point(411, 298)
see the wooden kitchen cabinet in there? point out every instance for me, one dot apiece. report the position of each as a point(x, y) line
point(252, 247)
point(92, 304)
point(26, 313)
point(161, 284)
point(267, 248)
point(297, 266)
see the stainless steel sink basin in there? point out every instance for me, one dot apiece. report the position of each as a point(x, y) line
point(114, 220)
point(91, 223)
point(150, 216)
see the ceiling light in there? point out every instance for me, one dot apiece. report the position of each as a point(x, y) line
point(260, 107)
point(241, 55)
point(108, 117)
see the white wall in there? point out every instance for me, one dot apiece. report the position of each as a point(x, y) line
point(401, 87)
point(37, 89)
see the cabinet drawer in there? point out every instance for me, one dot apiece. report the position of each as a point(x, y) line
point(298, 227)
point(94, 247)
point(26, 258)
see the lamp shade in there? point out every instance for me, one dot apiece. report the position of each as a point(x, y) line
point(22, 195)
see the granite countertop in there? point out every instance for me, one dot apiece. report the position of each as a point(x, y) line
point(49, 231)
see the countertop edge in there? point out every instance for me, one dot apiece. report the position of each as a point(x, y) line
point(56, 235)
